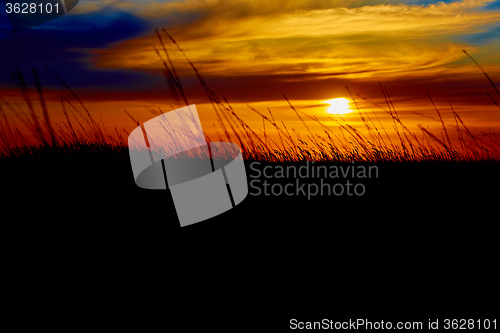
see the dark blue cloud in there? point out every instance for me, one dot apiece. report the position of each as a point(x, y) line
point(427, 2)
point(494, 5)
point(485, 37)
point(65, 46)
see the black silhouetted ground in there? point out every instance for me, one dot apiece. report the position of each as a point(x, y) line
point(93, 191)
point(418, 244)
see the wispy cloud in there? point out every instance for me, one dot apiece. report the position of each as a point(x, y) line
point(252, 47)
point(327, 38)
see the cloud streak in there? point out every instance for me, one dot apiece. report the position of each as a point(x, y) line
point(307, 47)
point(327, 38)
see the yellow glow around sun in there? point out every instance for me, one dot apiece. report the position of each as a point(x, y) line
point(338, 106)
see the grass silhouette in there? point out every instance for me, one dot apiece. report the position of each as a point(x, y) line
point(77, 172)
point(82, 134)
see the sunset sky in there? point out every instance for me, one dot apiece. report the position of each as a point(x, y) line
point(254, 51)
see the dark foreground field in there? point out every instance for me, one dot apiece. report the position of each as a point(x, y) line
point(91, 192)
point(420, 241)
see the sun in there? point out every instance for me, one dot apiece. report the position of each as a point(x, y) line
point(338, 106)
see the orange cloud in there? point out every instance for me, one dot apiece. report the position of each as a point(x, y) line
point(289, 37)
